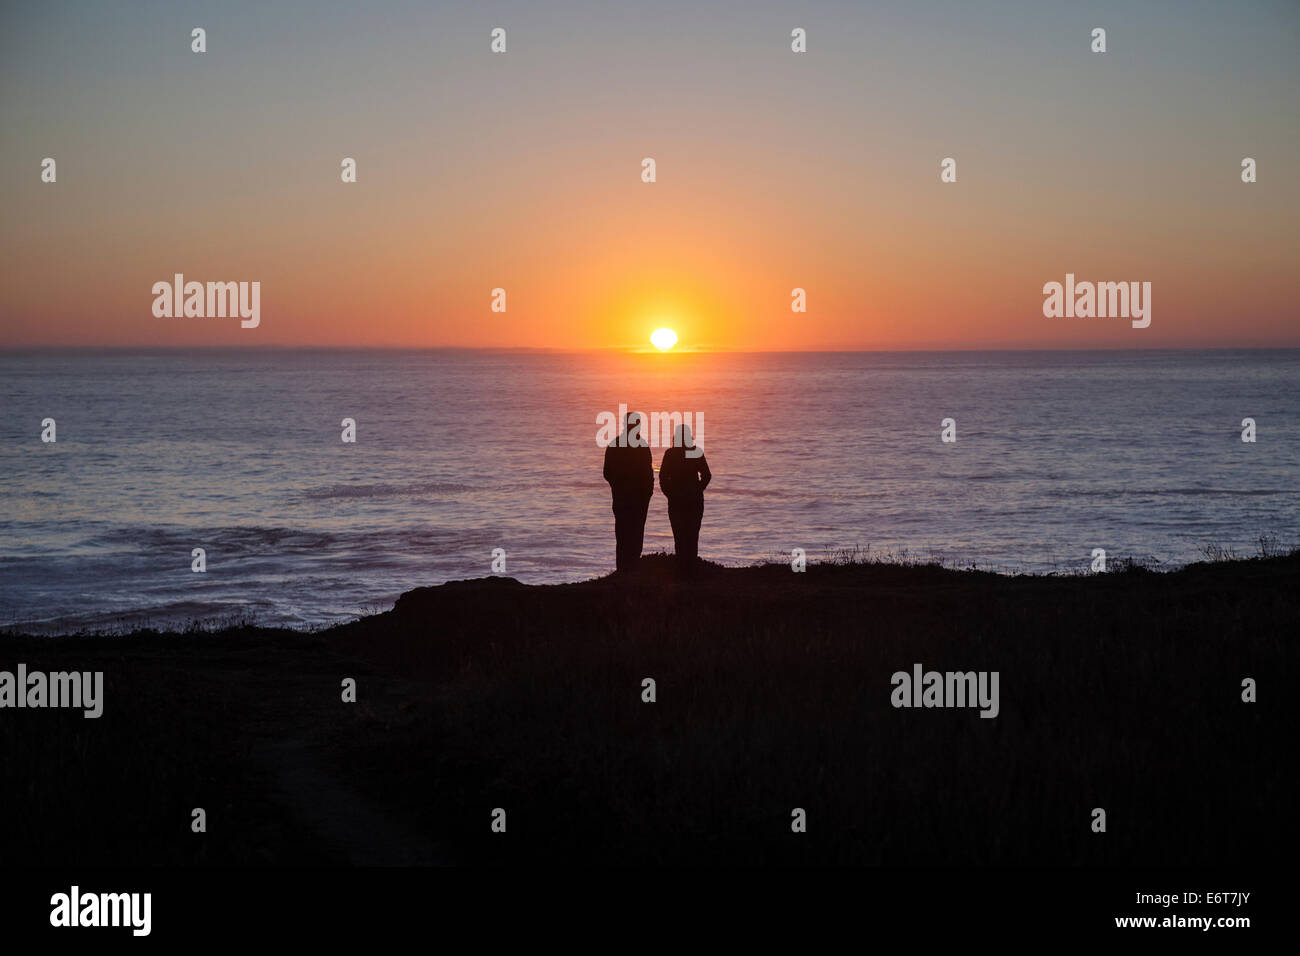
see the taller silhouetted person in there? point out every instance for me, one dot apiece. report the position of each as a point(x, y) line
point(683, 476)
point(629, 469)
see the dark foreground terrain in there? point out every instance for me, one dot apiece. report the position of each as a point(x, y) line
point(1121, 691)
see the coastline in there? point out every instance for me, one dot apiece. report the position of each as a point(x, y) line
point(773, 690)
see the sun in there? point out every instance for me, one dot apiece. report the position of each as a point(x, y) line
point(663, 339)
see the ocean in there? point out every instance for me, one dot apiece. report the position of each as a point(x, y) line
point(458, 453)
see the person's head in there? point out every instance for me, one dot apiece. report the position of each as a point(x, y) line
point(632, 430)
point(682, 438)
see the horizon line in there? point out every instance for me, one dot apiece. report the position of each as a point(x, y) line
point(626, 350)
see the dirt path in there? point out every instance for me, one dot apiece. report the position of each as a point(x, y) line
point(340, 816)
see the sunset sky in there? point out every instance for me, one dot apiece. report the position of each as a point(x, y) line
point(775, 170)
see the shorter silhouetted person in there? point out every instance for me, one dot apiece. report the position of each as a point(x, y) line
point(683, 476)
point(629, 469)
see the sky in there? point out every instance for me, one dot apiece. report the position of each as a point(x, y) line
point(775, 170)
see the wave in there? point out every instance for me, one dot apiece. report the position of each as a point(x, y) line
point(1121, 492)
point(415, 489)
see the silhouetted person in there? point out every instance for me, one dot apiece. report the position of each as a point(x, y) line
point(629, 469)
point(682, 479)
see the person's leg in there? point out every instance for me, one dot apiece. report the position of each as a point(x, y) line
point(622, 544)
point(678, 520)
point(636, 534)
point(693, 522)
